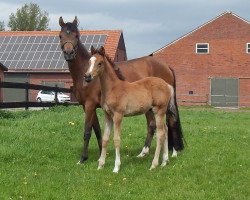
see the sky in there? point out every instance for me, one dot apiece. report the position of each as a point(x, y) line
point(147, 25)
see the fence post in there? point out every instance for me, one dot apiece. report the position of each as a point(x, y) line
point(26, 96)
point(56, 95)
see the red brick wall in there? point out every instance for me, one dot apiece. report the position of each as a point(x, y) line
point(227, 37)
point(38, 78)
point(120, 55)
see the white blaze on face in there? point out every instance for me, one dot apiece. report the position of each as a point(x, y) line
point(92, 64)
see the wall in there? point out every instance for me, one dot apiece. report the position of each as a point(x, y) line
point(39, 78)
point(227, 37)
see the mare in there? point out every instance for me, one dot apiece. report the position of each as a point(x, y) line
point(88, 95)
point(120, 98)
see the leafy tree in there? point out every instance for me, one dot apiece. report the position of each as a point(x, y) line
point(2, 26)
point(29, 18)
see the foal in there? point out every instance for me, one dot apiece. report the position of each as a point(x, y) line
point(121, 98)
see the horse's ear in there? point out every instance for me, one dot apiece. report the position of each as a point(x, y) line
point(75, 21)
point(93, 50)
point(101, 51)
point(61, 22)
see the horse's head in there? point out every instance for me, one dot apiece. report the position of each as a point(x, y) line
point(96, 64)
point(69, 38)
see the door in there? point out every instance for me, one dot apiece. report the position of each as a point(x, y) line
point(225, 92)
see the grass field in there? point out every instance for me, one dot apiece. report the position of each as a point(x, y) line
point(39, 151)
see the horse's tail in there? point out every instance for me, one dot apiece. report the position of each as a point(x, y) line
point(175, 135)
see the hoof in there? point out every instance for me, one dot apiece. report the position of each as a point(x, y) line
point(116, 170)
point(82, 160)
point(154, 165)
point(144, 152)
point(100, 167)
point(141, 155)
point(174, 154)
point(79, 162)
point(164, 163)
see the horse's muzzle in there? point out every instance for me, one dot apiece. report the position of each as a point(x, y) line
point(88, 78)
point(69, 56)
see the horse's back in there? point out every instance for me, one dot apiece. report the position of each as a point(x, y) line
point(147, 66)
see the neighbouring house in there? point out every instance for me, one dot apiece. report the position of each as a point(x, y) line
point(212, 63)
point(36, 57)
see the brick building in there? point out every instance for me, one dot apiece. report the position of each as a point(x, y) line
point(212, 63)
point(36, 57)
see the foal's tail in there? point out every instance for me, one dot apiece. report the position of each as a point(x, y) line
point(175, 136)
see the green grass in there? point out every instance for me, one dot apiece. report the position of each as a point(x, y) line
point(39, 151)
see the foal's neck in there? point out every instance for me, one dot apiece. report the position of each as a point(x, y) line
point(108, 78)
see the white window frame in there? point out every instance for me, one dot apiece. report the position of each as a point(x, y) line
point(196, 49)
point(248, 48)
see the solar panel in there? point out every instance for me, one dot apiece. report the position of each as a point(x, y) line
point(39, 52)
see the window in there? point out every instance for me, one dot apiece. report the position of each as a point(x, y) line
point(191, 92)
point(202, 48)
point(248, 48)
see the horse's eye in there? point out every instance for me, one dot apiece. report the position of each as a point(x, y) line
point(60, 36)
point(77, 36)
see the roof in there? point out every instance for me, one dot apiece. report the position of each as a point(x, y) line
point(18, 49)
point(3, 67)
point(198, 28)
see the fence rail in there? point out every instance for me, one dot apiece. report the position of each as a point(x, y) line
point(26, 104)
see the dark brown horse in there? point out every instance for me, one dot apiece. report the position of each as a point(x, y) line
point(89, 95)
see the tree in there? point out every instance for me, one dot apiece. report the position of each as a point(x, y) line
point(29, 18)
point(2, 26)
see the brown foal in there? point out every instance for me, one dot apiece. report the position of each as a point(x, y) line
point(121, 98)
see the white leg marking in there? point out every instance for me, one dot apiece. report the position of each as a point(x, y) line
point(165, 158)
point(108, 127)
point(174, 153)
point(144, 152)
point(78, 163)
point(117, 160)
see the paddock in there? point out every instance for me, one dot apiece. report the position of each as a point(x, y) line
point(38, 158)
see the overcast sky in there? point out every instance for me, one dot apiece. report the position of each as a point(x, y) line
point(147, 24)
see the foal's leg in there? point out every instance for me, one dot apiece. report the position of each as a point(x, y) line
point(117, 140)
point(105, 139)
point(160, 135)
point(165, 149)
point(89, 119)
point(151, 129)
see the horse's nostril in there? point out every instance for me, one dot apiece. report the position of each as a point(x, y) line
point(87, 77)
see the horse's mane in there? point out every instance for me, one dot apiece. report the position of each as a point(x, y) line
point(116, 68)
